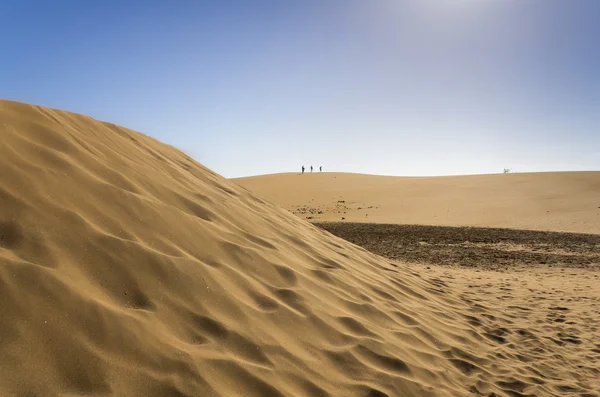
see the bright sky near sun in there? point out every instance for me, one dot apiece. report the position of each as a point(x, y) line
point(428, 87)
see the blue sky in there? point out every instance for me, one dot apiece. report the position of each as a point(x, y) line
point(427, 87)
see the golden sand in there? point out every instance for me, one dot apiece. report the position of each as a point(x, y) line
point(556, 201)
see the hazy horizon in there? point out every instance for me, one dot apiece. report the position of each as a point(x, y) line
point(413, 176)
point(435, 87)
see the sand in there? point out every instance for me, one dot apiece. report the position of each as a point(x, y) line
point(128, 269)
point(555, 201)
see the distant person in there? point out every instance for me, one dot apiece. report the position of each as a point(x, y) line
point(311, 168)
point(303, 169)
point(321, 168)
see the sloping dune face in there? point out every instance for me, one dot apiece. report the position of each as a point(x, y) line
point(549, 201)
point(127, 269)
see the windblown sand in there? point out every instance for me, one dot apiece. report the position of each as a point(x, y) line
point(552, 201)
point(128, 269)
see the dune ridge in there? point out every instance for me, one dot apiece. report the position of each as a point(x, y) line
point(128, 269)
point(547, 201)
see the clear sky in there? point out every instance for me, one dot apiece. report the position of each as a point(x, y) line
point(399, 87)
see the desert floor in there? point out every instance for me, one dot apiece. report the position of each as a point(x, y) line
point(534, 292)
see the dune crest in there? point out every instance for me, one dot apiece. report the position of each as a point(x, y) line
point(128, 269)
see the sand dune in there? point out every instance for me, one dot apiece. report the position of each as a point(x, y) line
point(558, 201)
point(128, 269)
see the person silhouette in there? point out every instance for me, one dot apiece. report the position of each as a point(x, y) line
point(321, 168)
point(303, 169)
point(311, 168)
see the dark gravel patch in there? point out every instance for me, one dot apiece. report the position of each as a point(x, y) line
point(472, 246)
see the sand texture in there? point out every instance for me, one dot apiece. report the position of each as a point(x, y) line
point(128, 269)
point(554, 201)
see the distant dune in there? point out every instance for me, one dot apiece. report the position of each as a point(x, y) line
point(128, 269)
point(557, 201)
